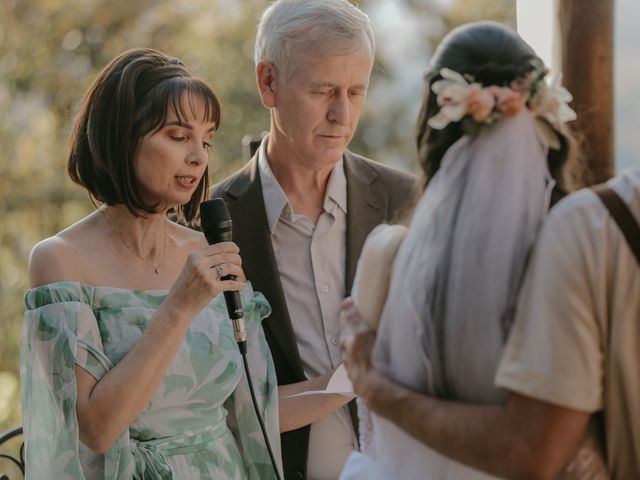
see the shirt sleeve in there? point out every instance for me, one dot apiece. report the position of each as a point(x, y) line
point(89, 351)
point(554, 351)
point(50, 344)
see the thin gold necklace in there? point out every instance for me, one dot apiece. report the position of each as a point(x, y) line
point(153, 267)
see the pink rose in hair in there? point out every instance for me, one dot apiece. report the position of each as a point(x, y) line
point(523, 85)
point(510, 102)
point(479, 102)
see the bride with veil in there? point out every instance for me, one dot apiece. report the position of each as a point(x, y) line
point(496, 155)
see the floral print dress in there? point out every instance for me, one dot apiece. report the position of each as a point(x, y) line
point(199, 424)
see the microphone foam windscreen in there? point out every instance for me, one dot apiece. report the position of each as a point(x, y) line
point(213, 211)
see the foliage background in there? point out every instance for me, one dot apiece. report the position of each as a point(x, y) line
point(50, 50)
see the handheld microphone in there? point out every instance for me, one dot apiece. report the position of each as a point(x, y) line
point(216, 226)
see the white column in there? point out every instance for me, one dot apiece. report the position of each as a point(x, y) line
point(539, 25)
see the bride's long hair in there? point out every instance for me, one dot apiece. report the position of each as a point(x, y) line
point(493, 55)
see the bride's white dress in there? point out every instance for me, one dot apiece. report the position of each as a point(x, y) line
point(399, 456)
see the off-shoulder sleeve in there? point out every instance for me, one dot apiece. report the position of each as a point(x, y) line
point(59, 331)
point(242, 418)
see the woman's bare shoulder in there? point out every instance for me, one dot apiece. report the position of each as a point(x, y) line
point(61, 256)
point(49, 261)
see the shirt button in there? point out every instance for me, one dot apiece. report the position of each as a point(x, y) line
point(325, 288)
point(334, 340)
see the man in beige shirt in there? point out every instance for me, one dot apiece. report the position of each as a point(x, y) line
point(302, 208)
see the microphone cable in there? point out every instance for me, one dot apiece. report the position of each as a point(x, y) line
point(242, 346)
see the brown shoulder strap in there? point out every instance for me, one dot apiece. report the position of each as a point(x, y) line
point(620, 212)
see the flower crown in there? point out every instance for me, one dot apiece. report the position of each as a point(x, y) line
point(462, 99)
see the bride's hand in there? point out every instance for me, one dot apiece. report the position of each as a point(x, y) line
point(356, 340)
point(205, 275)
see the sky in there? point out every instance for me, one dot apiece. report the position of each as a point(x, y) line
point(627, 85)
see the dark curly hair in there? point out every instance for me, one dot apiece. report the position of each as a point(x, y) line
point(493, 55)
point(130, 98)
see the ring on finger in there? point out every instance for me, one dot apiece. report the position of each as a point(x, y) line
point(219, 271)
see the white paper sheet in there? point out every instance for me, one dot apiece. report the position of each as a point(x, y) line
point(339, 383)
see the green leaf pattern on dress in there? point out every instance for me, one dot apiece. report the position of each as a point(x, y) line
point(200, 422)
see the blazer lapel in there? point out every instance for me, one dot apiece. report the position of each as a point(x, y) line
point(251, 233)
point(366, 208)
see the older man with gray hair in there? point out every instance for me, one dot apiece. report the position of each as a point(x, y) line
point(302, 208)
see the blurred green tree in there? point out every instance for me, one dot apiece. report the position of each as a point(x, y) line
point(463, 11)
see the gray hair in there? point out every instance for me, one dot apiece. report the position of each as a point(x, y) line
point(330, 27)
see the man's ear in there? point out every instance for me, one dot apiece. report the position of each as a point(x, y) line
point(266, 75)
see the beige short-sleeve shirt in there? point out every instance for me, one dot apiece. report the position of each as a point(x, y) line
point(576, 338)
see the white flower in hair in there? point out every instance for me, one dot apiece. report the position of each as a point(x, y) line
point(551, 102)
point(459, 96)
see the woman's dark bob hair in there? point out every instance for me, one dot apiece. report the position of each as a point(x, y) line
point(131, 98)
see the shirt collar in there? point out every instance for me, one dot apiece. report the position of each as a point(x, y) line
point(276, 200)
point(336, 193)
